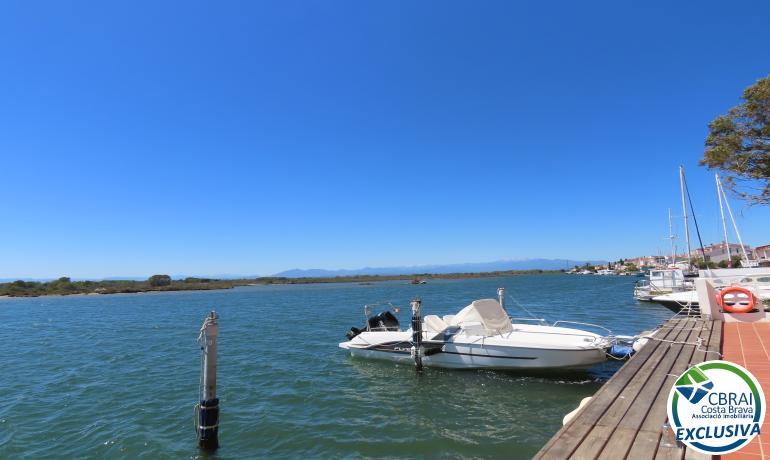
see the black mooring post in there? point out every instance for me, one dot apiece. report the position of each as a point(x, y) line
point(208, 414)
point(208, 425)
point(417, 350)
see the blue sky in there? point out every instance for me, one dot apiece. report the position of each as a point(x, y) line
point(252, 137)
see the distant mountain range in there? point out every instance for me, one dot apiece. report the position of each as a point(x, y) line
point(500, 265)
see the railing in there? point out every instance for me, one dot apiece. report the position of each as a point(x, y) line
point(544, 322)
point(539, 320)
point(584, 324)
point(647, 288)
point(596, 338)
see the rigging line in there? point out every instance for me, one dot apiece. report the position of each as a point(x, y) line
point(522, 306)
point(695, 220)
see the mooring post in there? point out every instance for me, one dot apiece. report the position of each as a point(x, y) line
point(208, 413)
point(417, 350)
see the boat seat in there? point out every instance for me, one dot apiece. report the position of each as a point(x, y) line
point(449, 319)
point(434, 324)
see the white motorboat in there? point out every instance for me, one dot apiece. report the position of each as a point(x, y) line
point(480, 335)
point(662, 281)
point(677, 301)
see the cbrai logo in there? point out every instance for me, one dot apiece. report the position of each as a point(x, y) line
point(716, 407)
point(694, 385)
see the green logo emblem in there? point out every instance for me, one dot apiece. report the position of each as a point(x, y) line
point(716, 407)
point(694, 385)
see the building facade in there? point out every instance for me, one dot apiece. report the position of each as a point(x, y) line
point(762, 253)
point(717, 252)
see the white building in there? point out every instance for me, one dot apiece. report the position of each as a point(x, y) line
point(717, 252)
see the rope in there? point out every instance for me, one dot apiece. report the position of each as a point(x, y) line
point(622, 358)
point(522, 306)
point(698, 343)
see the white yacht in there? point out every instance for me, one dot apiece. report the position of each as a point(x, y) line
point(759, 284)
point(756, 280)
point(680, 300)
point(662, 281)
point(480, 335)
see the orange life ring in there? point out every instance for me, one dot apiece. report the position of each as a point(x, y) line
point(735, 299)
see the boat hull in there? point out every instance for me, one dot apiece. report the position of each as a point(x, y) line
point(462, 356)
point(680, 301)
point(676, 307)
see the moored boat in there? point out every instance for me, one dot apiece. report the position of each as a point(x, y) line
point(480, 335)
point(678, 301)
point(660, 282)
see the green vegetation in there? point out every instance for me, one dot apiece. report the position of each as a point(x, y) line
point(735, 261)
point(739, 144)
point(65, 286)
point(703, 264)
point(159, 280)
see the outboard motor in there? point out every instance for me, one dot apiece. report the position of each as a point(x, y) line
point(385, 321)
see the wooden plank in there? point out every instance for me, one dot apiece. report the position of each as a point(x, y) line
point(564, 443)
point(645, 445)
point(592, 444)
point(623, 438)
point(641, 395)
point(652, 426)
point(705, 353)
point(595, 441)
point(626, 416)
point(569, 437)
point(712, 344)
point(678, 355)
point(647, 380)
point(669, 452)
point(656, 415)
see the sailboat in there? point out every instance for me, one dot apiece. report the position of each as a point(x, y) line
point(686, 297)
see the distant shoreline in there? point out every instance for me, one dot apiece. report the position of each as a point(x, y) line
point(65, 287)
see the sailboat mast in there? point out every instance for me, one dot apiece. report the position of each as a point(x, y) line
point(684, 209)
point(724, 221)
point(671, 237)
point(735, 226)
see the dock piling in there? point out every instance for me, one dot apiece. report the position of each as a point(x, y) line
point(417, 349)
point(207, 429)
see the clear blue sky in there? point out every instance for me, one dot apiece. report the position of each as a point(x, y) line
point(251, 137)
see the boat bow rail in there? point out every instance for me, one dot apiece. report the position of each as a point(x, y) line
point(542, 321)
point(556, 324)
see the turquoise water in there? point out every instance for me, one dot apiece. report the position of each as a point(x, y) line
point(117, 376)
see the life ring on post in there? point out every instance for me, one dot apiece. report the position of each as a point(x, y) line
point(735, 299)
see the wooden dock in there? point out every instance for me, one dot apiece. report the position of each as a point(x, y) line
point(626, 417)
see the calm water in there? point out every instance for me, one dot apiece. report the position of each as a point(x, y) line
point(117, 376)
